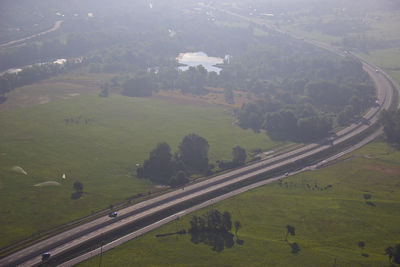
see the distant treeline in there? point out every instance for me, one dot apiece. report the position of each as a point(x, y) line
point(301, 92)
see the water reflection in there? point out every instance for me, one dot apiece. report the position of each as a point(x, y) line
point(199, 58)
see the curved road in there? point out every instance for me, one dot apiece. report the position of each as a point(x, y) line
point(54, 28)
point(69, 239)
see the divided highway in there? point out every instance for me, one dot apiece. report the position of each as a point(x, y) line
point(81, 234)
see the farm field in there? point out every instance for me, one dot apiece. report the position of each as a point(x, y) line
point(332, 209)
point(63, 128)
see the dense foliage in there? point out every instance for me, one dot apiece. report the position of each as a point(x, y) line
point(308, 100)
point(295, 91)
point(193, 152)
point(213, 229)
point(191, 158)
point(391, 125)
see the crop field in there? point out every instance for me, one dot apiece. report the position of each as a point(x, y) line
point(97, 141)
point(332, 209)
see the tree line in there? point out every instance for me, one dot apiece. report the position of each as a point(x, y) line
point(298, 99)
point(163, 168)
point(213, 229)
point(391, 125)
point(191, 158)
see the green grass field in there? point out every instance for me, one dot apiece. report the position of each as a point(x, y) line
point(329, 223)
point(100, 148)
point(384, 32)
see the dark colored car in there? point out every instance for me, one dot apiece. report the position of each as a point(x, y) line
point(113, 214)
point(45, 256)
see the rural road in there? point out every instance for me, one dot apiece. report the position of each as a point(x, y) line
point(74, 237)
point(54, 28)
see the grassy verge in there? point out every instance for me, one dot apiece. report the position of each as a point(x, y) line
point(97, 141)
point(330, 221)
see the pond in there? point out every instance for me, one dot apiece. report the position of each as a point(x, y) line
point(199, 58)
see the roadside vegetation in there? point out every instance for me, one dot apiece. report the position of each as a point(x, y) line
point(369, 28)
point(347, 214)
point(97, 142)
point(118, 121)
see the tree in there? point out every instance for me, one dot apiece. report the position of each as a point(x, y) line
point(295, 248)
point(139, 86)
point(212, 228)
point(239, 155)
point(104, 90)
point(328, 93)
point(389, 251)
point(313, 128)
point(393, 253)
point(237, 225)
point(281, 125)
point(346, 115)
point(159, 167)
point(396, 254)
point(78, 186)
point(140, 172)
point(229, 98)
point(226, 221)
point(391, 125)
point(5, 85)
point(193, 152)
point(290, 230)
point(179, 179)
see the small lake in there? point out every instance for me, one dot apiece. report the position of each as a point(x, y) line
point(199, 58)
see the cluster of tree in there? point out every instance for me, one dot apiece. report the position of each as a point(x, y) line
point(78, 120)
point(79, 35)
point(300, 108)
point(212, 221)
point(355, 41)
point(393, 254)
point(291, 230)
point(305, 109)
point(297, 123)
point(239, 158)
point(163, 168)
point(340, 27)
point(78, 187)
point(213, 229)
point(391, 125)
point(35, 73)
point(139, 86)
point(301, 89)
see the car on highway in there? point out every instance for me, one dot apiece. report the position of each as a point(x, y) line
point(46, 256)
point(113, 214)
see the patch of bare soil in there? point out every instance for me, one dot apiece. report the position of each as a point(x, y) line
point(215, 96)
point(177, 97)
